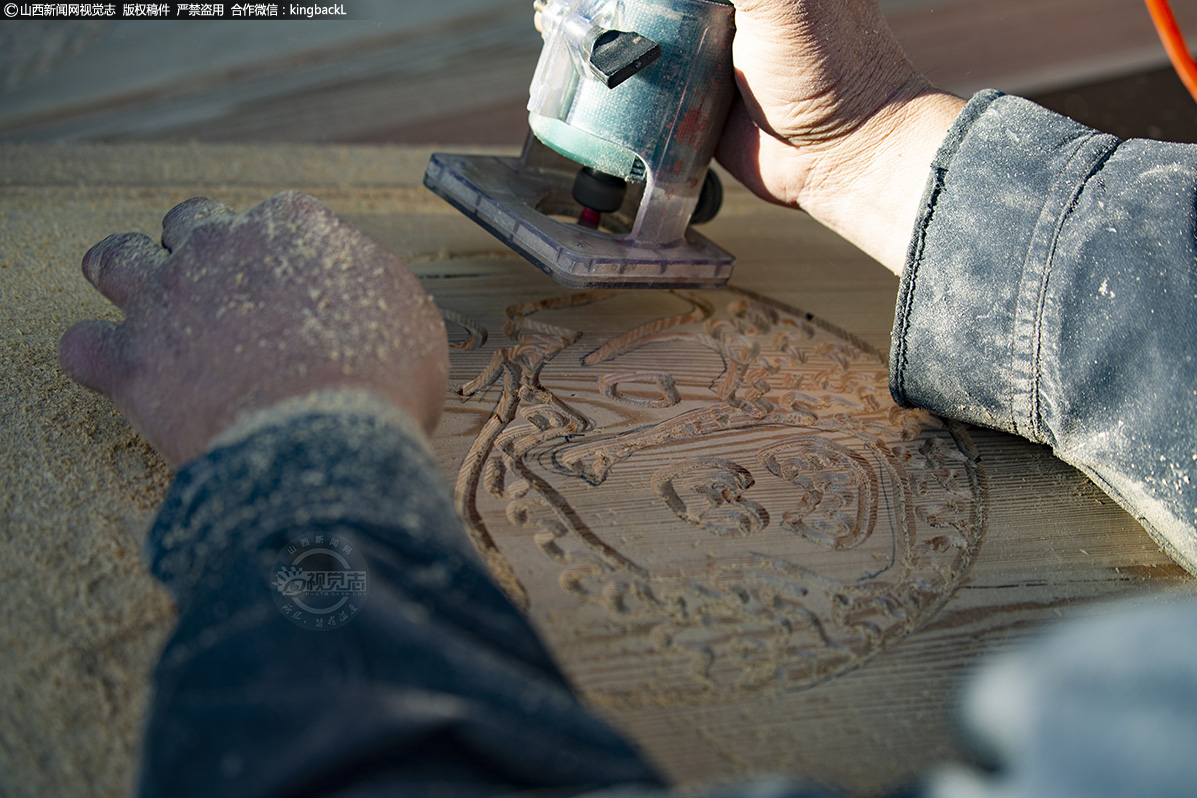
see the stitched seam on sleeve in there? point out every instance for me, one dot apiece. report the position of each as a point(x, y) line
point(1092, 153)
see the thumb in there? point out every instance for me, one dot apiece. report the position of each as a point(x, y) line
point(88, 354)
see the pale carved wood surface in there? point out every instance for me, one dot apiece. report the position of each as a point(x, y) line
point(743, 555)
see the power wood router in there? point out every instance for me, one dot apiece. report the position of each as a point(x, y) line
point(627, 102)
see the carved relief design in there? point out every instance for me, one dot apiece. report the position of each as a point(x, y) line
point(719, 485)
point(726, 495)
point(474, 333)
point(667, 388)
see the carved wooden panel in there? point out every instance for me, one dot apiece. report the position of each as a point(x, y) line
point(712, 682)
point(704, 493)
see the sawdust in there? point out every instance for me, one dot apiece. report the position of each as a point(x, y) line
point(82, 622)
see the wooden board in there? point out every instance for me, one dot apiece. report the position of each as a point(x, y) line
point(740, 552)
point(415, 73)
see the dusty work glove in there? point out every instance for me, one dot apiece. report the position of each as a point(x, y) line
point(832, 118)
point(235, 312)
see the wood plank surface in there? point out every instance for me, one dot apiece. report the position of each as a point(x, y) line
point(458, 71)
point(738, 550)
point(1031, 46)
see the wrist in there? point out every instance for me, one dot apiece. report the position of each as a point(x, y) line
point(346, 400)
point(868, 184)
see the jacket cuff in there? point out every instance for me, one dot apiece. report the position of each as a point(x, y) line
point(966, 330)
point(288, 467)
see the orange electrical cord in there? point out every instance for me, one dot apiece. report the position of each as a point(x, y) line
point(1174, 43)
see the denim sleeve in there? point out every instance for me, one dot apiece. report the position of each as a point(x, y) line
point(427, 681)
point(1051, 291)
point(424, 681)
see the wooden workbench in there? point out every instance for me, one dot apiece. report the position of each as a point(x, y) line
point(740, 551)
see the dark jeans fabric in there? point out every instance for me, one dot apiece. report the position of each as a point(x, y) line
point(1051, 292)
point(437, 686)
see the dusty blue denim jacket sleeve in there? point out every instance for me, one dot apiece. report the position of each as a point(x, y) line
point(1051, 291)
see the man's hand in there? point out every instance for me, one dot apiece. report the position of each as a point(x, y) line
point(235, 312)
point(833, 118)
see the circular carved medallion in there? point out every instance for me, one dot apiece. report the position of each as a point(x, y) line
point(708, 492)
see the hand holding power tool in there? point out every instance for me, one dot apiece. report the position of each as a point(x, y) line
point(629, 99)
point(832, 118)
point(625, 108)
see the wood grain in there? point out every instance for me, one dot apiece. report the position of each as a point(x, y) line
point(459, 72)
point(714, 694)
point(1028, 46)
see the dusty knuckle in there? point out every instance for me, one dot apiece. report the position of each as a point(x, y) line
point(292, 203)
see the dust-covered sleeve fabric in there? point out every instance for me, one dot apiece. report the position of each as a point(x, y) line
point(1051, 291)
point(428, 681)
